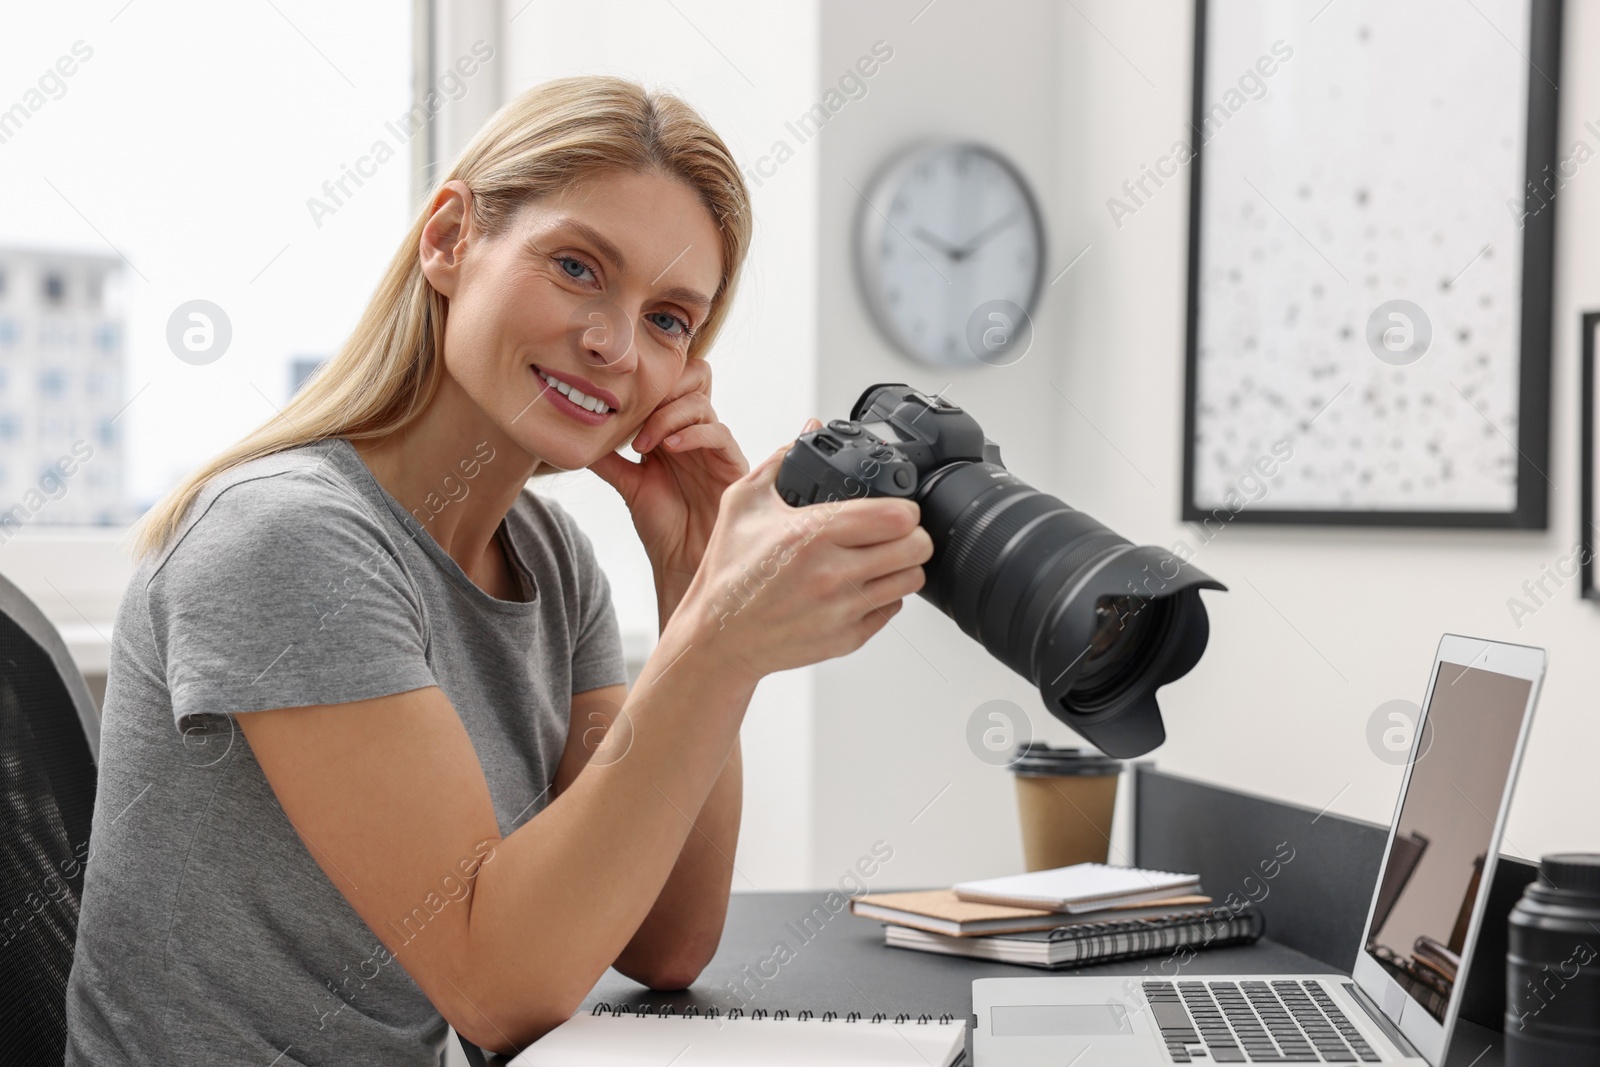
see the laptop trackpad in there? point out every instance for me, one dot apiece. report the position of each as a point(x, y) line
point(1059, 1020)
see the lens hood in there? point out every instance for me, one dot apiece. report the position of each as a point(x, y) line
point(1161, 594)
point(1097, 623)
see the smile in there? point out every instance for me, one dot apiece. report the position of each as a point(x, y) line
point(592, 404)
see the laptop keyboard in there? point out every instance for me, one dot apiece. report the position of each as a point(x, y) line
point(1254, 1022)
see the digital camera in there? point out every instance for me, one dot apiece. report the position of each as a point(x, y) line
point(1097, 623)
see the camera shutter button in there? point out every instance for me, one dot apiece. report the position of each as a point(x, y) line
point(844, 429)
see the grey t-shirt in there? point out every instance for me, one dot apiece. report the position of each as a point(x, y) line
point(208, 932)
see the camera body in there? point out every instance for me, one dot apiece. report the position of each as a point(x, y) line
point(1094, 621)
point(889, 448)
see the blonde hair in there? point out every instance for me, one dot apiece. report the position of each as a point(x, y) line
point(537, 145)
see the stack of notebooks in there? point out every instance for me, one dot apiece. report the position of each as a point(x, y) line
point(1067, 917)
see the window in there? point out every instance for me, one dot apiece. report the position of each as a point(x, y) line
point(112, 250)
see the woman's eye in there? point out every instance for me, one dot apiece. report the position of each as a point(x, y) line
point(666, 321)
point(574, 268)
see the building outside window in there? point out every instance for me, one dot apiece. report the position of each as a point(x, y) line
point(61, 390)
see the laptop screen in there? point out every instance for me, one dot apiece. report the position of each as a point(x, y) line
point(1432, 874)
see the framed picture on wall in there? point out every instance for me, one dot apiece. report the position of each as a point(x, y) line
point(1588, 537)
point(1370, 262)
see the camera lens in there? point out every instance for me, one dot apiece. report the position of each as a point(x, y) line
point(1111, 628)
point(1119, 644)
point(1096, 622)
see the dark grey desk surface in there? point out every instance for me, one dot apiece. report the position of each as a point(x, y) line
point(846, 967)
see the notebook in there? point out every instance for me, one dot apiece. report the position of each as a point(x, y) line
point(940, 911)
point(617, 1036)
point(1085, 943)
point(1079, 888)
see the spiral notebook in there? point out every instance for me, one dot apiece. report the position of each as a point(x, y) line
point(1101, 942)
point(619, 1036)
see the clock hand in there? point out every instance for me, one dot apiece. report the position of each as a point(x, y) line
point(940, 243)
point(982, 236)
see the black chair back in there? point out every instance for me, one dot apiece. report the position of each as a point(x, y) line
point(49, 740)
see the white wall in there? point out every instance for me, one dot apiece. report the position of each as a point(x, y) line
point(1270, 709)
point(1281, 702)
point(890, 721)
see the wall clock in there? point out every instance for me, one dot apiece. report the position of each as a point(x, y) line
point(950, 255)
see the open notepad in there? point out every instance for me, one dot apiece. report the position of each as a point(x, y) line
point(621, 1038)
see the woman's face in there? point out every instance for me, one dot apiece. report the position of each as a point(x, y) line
point(598, 289)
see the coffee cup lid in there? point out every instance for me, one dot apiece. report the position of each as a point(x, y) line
point(1038, 759)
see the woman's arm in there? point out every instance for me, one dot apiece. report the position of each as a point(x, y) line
point(391, 801)
point(681, 933)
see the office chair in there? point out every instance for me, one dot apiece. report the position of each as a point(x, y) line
point(49, 745)
point(49, 742)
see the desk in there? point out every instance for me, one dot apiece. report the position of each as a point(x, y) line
point(1315, 908)
point(846, 967)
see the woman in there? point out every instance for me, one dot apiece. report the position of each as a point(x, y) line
point(368, 761)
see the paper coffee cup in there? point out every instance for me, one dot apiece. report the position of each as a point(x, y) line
point(1065, 799)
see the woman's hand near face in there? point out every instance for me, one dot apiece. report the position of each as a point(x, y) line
point(782, 587)
point(688, 458)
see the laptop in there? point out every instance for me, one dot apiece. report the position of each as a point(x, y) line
point(1401, 1003)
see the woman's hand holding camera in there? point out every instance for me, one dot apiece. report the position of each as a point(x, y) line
point(782, 587)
